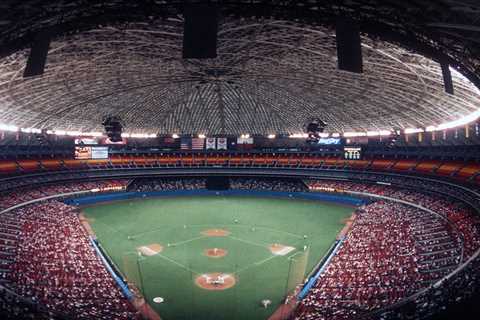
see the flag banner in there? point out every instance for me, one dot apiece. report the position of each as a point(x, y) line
point(221, 143)
point(198, 143)
point(211, 143)
point(185, 144)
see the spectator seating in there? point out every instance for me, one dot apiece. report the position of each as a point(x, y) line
point(47, 260)
point(393, 252)
point(449, 169)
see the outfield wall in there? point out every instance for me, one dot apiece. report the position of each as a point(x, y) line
point(121, 196)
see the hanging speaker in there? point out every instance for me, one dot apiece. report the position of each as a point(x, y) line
point(349, 50)
point(200, 31)
point(447, 78)
point(38, 54)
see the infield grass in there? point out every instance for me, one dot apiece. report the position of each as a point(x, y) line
point(254, 223)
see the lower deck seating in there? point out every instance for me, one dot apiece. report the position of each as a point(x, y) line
point(387, 256)
point(56, 265)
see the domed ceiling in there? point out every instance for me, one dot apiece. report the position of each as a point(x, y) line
point(272, 75)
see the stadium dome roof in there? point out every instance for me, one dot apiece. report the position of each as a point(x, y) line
point(276, 67)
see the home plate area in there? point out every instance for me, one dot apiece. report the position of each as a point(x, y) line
point(151, 249)
point(215, 281)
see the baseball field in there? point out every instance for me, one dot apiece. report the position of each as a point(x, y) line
point(216, 257)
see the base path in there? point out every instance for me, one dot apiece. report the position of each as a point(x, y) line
point(215, 252)
point(215, 233)
point(215, 281)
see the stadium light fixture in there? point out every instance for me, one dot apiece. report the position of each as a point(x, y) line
point(30, 130)
point(456, 123)
point(6, 127)
point(298, 135)
point(139, 135)
point(336, 135)
point(245, 136)
point(271, 136)
point(92, 134)
point(202, 136)
point(175, 136)
point(354, 134)
point(378, 133)
point(413, 130)
point(73, 133)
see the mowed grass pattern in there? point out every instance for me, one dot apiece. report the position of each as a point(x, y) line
point(177, 223)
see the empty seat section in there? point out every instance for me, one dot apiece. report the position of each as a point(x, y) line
point(427, 166)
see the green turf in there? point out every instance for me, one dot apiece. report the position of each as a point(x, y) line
point(179, 222)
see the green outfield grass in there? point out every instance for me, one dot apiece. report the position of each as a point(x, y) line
point(177, 223)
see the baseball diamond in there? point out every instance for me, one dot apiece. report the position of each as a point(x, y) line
point(216, 257)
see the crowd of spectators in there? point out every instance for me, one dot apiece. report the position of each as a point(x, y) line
point(391, 252)
point(286, 185)
point(170, 184)
point(13, 307)
point(167, 184)
point(48, 265)
point(469, 195)
point(461, 216)
point(56, 265)
point(12, 198)
point(382, 261)
point(462, 287)
point(440, 244)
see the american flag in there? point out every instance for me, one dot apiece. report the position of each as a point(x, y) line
point(185, 143)
point(197, 143)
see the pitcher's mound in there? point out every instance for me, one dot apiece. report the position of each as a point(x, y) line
point(151, 249)
point(215, 281)
point(215, 233)
point(215, 253)
point(279, 249)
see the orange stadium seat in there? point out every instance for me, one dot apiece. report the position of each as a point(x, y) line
point(449, 168)
point(51, 164)
point(7, 167)
point(468, 171)
point(382, 164)
point(29, 165)
point(427, 166)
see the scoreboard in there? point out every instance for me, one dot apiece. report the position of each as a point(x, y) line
point(352, 153)
point(89, 153)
